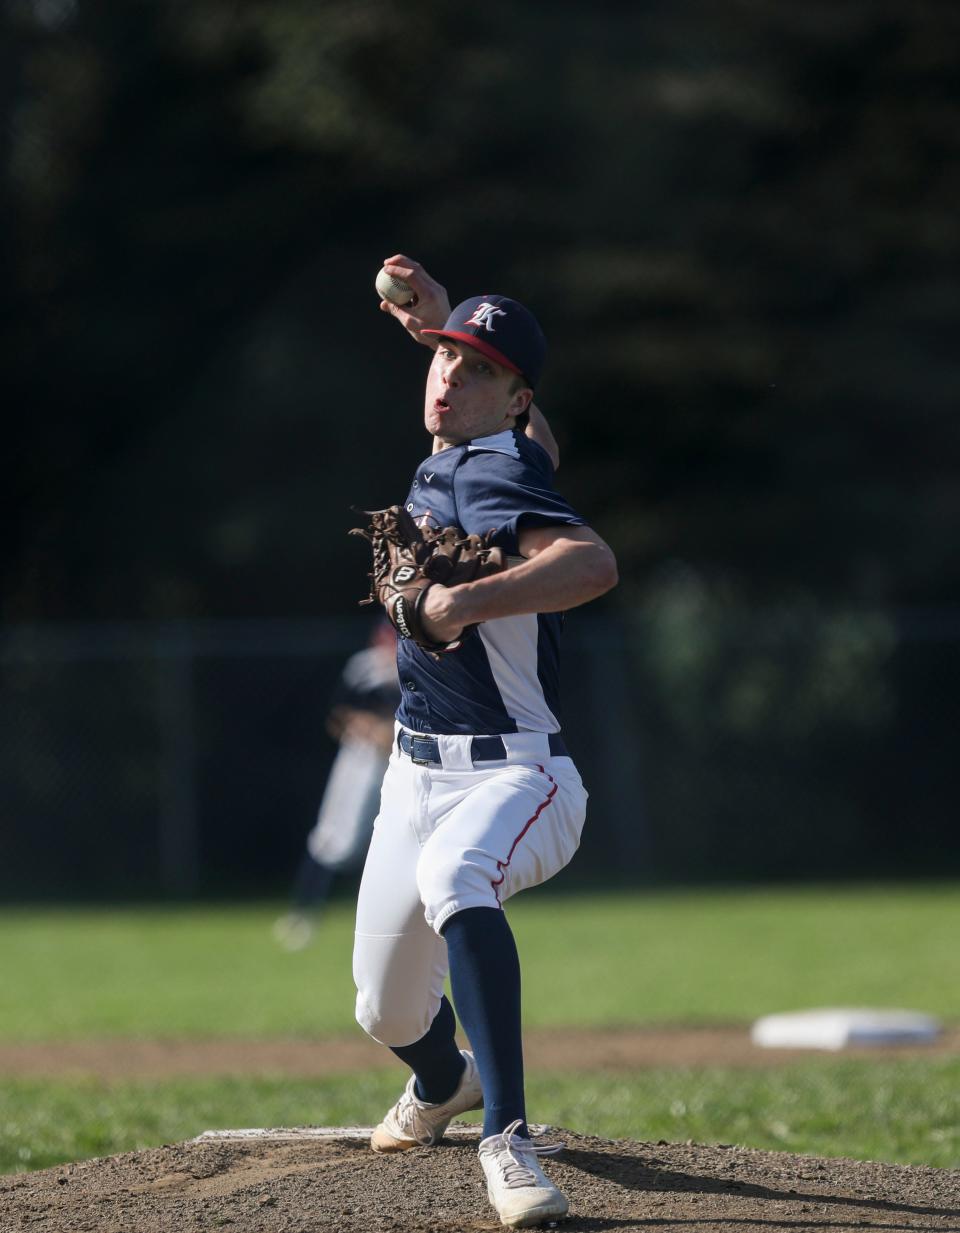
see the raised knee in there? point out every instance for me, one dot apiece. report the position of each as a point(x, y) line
point(394, 1026)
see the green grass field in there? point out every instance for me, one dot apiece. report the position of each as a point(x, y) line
point(589, 960)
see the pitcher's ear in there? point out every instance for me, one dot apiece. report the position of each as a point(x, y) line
point(520, 401)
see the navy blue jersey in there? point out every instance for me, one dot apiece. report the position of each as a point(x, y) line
point(506, 675)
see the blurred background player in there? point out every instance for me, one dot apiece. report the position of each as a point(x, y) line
point(361, 721)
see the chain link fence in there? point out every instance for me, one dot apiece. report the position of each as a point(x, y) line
point(180, 760)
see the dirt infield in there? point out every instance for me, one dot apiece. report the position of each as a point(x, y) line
point(556, 1049)
point(303, 1185)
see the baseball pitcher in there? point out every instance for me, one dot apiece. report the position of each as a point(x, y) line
point(481, 798)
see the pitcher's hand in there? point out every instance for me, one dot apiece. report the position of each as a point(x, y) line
point(432, 307)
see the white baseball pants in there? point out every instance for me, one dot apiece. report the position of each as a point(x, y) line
point(450, 837)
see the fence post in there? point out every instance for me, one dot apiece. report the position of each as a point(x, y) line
point(178, 837)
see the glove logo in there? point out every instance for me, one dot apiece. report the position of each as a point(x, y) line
point(400, 618)
point(405, 573)
point(484, 316)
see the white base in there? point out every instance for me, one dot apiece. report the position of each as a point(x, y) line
point(842, 1029)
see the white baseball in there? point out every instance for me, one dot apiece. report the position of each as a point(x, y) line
point(395, 290)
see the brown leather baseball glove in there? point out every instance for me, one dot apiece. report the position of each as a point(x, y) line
point(408, 560)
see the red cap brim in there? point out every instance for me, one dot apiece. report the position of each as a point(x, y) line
point(478, 344)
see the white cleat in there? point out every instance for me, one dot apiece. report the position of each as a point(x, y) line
point(516, 1185)
point(414, 1123)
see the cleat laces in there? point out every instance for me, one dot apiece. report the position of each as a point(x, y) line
point(515, 1165)
point(405, 1117)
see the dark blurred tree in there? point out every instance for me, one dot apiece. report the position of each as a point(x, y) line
point(737, 225)
point(160, 197)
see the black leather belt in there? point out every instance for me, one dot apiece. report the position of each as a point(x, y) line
point(425, 750)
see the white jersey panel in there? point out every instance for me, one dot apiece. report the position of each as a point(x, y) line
point(511, 647)
point(499, 443)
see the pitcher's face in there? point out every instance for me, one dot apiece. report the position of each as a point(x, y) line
point(469, 395)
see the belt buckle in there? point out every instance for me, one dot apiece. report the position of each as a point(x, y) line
point(414, 741)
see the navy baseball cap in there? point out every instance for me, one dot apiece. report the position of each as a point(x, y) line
point(500, 329)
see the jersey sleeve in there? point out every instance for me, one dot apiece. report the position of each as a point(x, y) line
point(504, 493)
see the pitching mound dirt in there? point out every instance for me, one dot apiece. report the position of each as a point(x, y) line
point(312, 1185)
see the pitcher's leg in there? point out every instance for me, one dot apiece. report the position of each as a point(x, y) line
point(435, 1060)
point(515, 828)
point(400, 965)
point(485, 981)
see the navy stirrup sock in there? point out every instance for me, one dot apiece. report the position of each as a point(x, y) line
point(485, 981)
point(435, 1058)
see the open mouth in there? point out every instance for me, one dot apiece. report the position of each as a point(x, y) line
point(441, 405)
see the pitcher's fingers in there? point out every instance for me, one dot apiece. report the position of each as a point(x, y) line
point(402, 267)
point(412, 272)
